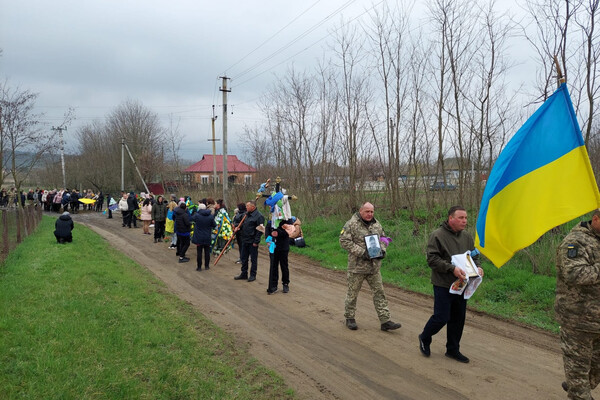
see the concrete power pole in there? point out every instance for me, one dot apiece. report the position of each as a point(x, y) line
point(213, 140)
point(60, 130)
point(225, 176)
point(122, 164)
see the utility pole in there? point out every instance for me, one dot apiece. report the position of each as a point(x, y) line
point(225, 177)
point(60, 130)
point(213, 140)
point(122, 164)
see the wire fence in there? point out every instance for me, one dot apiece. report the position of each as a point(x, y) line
point(16, 224)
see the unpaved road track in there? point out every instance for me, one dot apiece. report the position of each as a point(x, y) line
point(302, 336)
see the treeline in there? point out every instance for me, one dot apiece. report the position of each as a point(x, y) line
point(409, 104)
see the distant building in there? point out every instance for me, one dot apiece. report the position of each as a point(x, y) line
point(201, 173)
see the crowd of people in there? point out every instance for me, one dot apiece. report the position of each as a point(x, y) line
point(55, 200)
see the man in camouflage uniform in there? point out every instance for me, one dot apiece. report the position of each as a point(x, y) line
point(362, 267)
point(577, 307)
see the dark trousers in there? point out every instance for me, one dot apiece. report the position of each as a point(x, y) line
point(448, 309)
point(278, 259)
point(238, 239)
point(249, 250)
point(127, 218)
point(159, 229)
point(62, 239)
point(206, 249)
point(183, 243)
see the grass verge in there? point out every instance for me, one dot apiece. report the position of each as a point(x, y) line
point(82, 321)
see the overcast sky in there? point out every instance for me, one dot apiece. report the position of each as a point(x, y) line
point(94, 55)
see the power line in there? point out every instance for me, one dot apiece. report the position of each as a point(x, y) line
point(301, 36)
point(272, 36)
point(308, 47)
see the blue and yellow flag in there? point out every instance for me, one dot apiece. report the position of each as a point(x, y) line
point(542, 179)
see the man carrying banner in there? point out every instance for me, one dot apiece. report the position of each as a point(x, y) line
point(448, 309)
point(577, 307)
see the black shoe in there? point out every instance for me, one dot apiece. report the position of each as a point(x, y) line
point(155, 240)
point(271, 291)
point(351, 324)
point(199, 269)
point(390, 326)
point(238, 261)
point(252, 278)
point(286, 288)
point(565, 386)
point(424, 347)
point(207, 267)
point(240, 277)
point(183, 259)
point(458, 356)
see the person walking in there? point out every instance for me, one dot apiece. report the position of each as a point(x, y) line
point(146, 216)
point(240, 211)
point(361, 267)
point(250, 240)
point(182, 229)
point(124, 208)
point(448, 309)
point(204, 222)
point(279, 257)
point(577, 307)
point(159, 218)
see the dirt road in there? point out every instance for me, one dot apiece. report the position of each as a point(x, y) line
point(302, 336)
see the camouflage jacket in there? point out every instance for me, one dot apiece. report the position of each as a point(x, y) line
point(577, 302)
point(352, 239)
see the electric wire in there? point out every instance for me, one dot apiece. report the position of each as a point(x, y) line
point(274, 35)
point(309, 46)
point(301, 36)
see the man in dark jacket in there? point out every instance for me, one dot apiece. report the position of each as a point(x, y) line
point(204, 222)
point(448, 309)
point(250, 240)
point(183, 227)
point(132, 205)
point(63, 227)
point(159, 218)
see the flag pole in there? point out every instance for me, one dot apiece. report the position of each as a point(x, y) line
point(559, 74)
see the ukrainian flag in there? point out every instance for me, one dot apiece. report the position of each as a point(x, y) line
point(542, 179)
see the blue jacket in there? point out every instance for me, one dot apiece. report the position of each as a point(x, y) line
point(204, 222)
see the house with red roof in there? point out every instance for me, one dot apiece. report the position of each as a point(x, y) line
point(238, 172)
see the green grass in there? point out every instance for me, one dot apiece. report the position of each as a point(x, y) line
point(82, 321)
point(513, 292)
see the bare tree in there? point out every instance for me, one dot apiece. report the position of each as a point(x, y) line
point(23, 138)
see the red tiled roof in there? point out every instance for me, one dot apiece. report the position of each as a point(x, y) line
point(206, 165)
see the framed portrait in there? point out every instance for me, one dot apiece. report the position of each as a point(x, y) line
point(373, 246)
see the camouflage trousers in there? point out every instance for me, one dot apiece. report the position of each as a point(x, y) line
point(355, 282)
point(581, 357)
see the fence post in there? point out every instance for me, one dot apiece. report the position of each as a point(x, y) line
point(5, 238)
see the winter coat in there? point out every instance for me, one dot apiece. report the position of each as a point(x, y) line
point(182, 221)
point(203, 226)
point(132, 203)
point(577, 303)
point(63, 226)
point(248, 231)
point(123, 206)
point(352, 239)
point(146, 214)
point(159, 211)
